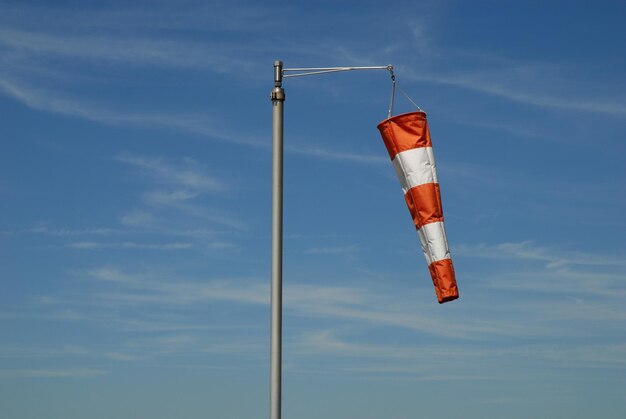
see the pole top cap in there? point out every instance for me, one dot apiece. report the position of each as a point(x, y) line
point(278, 63)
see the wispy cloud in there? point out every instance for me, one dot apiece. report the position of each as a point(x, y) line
point(352, 352)
point(196, 17)
point(370, 307)
point(51, 373)
point(129, 245)
point(150, 233)
point(349, 304)
point(139, 218)
point(520, 83)
point(122, 357)
point(181, 201)
point(326, 154)
point(200, 123)
point(127, 50)
point(582, 287)
point(540, 84)
point(183, 292)
point(42, 47)
point(528, 250)
point(146, 221)
point(190, 174)
point(547, 269)
point(68, 232)
point(354, 311)
point(68, 351)
point(180, 186)
point(352, 345)
point(333, 250)
point(12, 351)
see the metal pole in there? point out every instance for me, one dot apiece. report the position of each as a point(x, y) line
point(278, 99)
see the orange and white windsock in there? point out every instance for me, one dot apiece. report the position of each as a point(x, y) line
point(407, 139)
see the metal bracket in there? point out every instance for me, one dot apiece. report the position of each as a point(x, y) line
point(278, 93)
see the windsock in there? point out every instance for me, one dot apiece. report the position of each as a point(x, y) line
point(407, 139)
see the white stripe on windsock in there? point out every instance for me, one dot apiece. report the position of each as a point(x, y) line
point(415, 167)
point(434, 243)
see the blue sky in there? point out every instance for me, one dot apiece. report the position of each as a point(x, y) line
point(135, 179)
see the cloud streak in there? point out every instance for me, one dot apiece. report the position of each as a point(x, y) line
point(192, 122)
point(191, 175)
point(185, 184)
point(197, 123)
point(582, 356)
point(505, 84)
point(128, 50)
point(350, 304)
point(527, 250)
point(51, 373)
point(129, 245)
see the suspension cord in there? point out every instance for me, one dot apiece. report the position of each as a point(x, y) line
point(410, 100)
point(393, 93)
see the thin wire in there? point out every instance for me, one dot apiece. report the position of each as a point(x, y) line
point(410, 100)
point(310, 73)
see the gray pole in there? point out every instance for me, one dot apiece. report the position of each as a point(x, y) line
point(278, 99)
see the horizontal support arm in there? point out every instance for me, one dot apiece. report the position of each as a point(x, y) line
point(300, 72)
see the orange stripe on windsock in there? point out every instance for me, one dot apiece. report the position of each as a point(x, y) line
point(405, 132)
point(424, 202)
point(409, 145)
point(442, 273)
